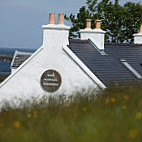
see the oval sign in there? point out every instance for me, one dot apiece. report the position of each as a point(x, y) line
point(51, 80)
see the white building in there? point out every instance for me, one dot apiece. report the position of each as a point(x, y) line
point(63, 66)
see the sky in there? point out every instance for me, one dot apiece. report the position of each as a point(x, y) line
point(21, 20)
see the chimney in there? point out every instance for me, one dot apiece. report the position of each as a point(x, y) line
point(55, 36)
point(96, 35)
point(88, 23)
point(61, 18)
point(98, 24)
point(52, 18)
point(138, 37)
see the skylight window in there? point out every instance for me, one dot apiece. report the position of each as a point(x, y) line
point(131, 69)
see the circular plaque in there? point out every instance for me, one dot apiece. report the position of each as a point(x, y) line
point(51, 80)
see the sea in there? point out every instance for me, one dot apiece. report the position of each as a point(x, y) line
point(10, 51)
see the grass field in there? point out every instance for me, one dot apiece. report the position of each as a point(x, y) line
point(113, 116)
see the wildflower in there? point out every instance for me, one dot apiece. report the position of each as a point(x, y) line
point(29, 115)
point(116, 84)
point(35, 114)
point(138, 115)
point(113, 100)
point(124, 107)
point(107, 100)
point(16, 124)
point(39, 100)
point(28, 110)
point(84, 108)
point(66, 105)
point(133, 133)
point(126, 97)
point(75, 114)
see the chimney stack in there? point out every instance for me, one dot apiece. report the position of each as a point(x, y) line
point(61, 18)
point(95, 35)
point(138, 36)
point(51, 18)
point(88, 23)
point(55, 35)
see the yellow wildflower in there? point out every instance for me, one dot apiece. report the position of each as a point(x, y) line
point(107, 100)
point(66, 105)
point(124, 107)
point(138, 115)
point(126, 97)
point(35, 114)
point(16, 124)
point(116, 84)
point(29, 115)
point(133, 133)
point(28, 110)
point(84, 108)
point(113, 100)
point(75, 114)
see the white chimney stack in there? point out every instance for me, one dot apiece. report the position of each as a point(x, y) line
point(97, 35)
point(55, 35)
point(138, 37)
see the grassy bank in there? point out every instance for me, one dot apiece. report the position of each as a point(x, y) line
point(115, 116)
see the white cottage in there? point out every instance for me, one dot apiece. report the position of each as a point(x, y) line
point(63, 66)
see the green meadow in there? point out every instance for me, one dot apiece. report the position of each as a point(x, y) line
point(114, 115)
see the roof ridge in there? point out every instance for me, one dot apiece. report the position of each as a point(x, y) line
point(124, 44)
point(78, 40)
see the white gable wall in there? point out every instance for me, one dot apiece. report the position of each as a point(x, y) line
point(13, 70)
point(25, 82)
point(96, 35)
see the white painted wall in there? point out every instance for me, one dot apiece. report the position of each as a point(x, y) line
point(13, 70)
point(138, 38)
point(96, 35)
point(25, 82)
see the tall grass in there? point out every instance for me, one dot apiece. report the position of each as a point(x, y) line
point(113, 116)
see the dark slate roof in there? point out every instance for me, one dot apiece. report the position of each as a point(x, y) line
point(132, 53)
point(108, 68)
point(19, 58)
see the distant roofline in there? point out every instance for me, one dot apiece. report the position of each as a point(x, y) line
point(107, 43)
point(123, 44)
point(18, 53)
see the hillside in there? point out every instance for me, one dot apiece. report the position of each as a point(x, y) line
point(6, 58)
